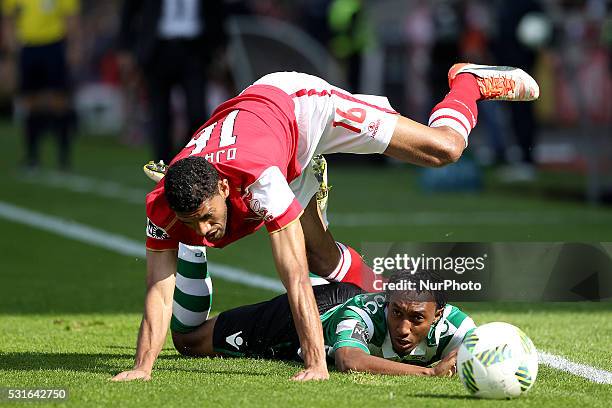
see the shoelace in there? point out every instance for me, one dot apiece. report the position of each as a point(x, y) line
point(496, 86)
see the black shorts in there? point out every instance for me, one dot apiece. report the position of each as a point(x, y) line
point(266, 329)
point(43, 67)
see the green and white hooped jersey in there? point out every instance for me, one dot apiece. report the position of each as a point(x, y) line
point(362, 322)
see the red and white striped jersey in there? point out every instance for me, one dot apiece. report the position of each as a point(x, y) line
point(252, 141)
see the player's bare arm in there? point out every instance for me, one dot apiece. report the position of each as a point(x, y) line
point(288, 250)
point(157, 313)
point(355, 359)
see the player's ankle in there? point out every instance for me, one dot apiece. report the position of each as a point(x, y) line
point(468, 84)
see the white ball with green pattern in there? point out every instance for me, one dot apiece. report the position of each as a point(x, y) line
point(497, 360)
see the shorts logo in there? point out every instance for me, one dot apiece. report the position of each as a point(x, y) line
point(235, 340)
point(155, 232)
point(373, 128)
point(256, 207)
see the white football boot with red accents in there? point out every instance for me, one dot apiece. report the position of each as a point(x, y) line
point(499, 83)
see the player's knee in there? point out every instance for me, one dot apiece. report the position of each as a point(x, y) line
point(450, 154)
point(320, 266)
point(183, 344)
point(344, 365)
point(198, 343)
point(448, 150)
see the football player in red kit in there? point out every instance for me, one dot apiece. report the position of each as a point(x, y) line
point(251, 164)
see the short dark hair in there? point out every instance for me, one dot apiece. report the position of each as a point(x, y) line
point(189, 182)
point(405, 276)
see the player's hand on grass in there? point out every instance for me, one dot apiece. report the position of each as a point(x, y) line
point(447, 367)
point(132, 375)
point(313, 373)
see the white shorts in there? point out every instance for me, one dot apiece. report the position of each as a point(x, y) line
point(332, 120)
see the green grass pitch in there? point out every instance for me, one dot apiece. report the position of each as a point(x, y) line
point(69, 311)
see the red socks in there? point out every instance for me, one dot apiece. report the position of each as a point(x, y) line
point(458, 109)
point(352, 269)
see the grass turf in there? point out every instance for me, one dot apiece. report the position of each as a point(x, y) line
point(69, 312)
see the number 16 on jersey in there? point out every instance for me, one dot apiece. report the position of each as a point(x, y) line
point(351, 119)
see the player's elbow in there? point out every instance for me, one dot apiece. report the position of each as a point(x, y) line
point(346, 360)
point(343, 365)
point(182, 344)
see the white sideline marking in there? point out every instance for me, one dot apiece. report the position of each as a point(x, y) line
point(120, 244)
point(117, 191)
point(582, 370)
point(87, 185)
point(126, 246)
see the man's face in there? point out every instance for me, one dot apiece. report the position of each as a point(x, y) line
point(210, 219)
point(408, 322)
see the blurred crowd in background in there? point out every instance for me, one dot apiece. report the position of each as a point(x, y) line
point(151, 71)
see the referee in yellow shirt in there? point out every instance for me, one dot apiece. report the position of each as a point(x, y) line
point(42, 33)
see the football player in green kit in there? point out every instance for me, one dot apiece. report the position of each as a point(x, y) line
point(398, 332)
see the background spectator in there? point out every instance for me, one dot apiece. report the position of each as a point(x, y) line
point(44, 38)
point(172, 42)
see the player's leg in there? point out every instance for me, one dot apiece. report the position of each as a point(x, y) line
point(261, 330)
point(61, 123)
point(35, 123)
point(321, 250)
point(31, 99)
point(58, 100)
point(334, 261)
point(264, 329)
point(452, 120)
point(444, 140)
point(193, 291)
point(198, 343)
point(366, 124)
point(192, 332)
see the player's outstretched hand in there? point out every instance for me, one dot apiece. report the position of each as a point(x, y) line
point(447, 367)
point(132, 375)
point(313, 373)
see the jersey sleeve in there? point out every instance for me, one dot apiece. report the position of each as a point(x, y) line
point(351, 333)
point(465, 326)
point(158, 239)
point(160, 220)
point(350, 329)
point(271, 198)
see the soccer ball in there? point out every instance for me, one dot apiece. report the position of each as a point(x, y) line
point(497, 360)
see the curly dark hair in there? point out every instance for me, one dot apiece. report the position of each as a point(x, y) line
point(189, 182)
point(439, 296)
